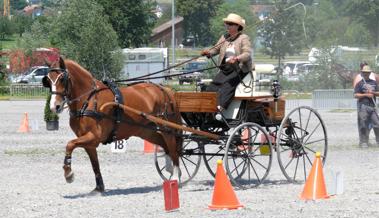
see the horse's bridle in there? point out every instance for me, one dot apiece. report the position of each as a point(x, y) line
point(65, 81)
point(64, 76)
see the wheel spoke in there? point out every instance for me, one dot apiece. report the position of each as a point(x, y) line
point(310, 135)
point(255, 172)
point(297, 164)
point(189, 161)
point(305, 168)
point(249, 161)
point(314, 141)
point(300, 134)
point(259, 163)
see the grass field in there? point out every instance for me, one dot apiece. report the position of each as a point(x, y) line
point(9, 42)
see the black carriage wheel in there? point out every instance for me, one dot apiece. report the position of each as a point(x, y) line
point(301, 134)
point(189, 161)
point(212, 153)
point(249, 155)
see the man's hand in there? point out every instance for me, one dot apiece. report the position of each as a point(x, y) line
point(370, 94)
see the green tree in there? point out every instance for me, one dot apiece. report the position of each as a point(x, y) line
point(323, 77)
point(132, 20)
point(18, 4)
point(282, 34)
point(365, 12)
point(84, 33)
point(21, 23)
point(331, 26)
point(5, 27)
point(197, 15)
point(36, 37)
point(358, 35)
point(240, 7)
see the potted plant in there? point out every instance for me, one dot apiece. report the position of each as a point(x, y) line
point(51, 118)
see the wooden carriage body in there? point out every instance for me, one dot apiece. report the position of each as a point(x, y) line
point(250, 104)
point(264, 110)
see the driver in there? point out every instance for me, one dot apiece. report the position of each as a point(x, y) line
point(234, 49)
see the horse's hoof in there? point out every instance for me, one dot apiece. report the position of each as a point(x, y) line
point(97, 192)
point(70, 177)
point(99, 189)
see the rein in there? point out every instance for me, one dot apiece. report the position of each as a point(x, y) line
point(147, 76)
point(172, 75)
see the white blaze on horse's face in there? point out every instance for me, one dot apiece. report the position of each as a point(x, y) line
point(55, 104)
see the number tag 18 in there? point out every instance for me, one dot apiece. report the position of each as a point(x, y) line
point(118, 146)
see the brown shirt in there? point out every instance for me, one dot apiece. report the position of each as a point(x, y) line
point(242, 47)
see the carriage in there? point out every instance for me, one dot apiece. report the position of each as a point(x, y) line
point(188, 126)
point(247, 134)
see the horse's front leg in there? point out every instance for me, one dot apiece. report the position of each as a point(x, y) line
point(92, 153)
point(86, 141)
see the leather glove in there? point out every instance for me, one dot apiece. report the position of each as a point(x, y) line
point(232, 60)
point(205, 53)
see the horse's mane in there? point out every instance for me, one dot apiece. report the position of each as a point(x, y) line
point(76, 68)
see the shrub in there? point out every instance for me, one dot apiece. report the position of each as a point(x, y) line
point(49, 115)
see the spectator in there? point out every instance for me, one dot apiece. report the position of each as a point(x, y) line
point(366, 91)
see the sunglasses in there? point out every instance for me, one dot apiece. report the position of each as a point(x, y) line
point(230, 24)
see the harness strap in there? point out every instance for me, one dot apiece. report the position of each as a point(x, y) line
point(89, 113)
point(118, 112)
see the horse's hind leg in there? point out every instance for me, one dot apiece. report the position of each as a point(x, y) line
point(92, 153)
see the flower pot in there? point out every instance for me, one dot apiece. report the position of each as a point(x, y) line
point(52, 125)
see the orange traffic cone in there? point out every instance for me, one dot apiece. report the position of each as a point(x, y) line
point(148, 147)
point(25, 124)
point(223, 193)
point(315, 185)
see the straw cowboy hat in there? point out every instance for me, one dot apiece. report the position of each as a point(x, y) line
point(235, 18)
point(366, 69)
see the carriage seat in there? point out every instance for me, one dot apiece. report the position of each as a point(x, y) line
point(251, 88)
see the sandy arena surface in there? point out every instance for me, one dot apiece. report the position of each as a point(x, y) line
point(32, 182)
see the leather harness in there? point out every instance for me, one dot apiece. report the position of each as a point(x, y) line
point(118, 112)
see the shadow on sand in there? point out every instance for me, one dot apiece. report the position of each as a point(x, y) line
point(114, 192)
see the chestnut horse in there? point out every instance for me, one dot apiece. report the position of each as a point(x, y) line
point(71, 84)
point(350, 76)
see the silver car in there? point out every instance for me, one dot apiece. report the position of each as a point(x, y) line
point(33, 75)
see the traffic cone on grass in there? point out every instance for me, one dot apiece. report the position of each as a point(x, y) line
point(223, 193)
point(25, 124)
point(314, 187)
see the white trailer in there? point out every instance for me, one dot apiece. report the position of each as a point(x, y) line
point(143, 61)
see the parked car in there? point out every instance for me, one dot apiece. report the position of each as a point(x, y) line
point(33, 75)
point(307, 68)
point(291, 68)
point(192, 67)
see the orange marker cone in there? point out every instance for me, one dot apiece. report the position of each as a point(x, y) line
point(25, 124)
point(315, 185)
point(148, 147)
point(223, 193)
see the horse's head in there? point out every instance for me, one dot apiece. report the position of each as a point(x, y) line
point(58, 81)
